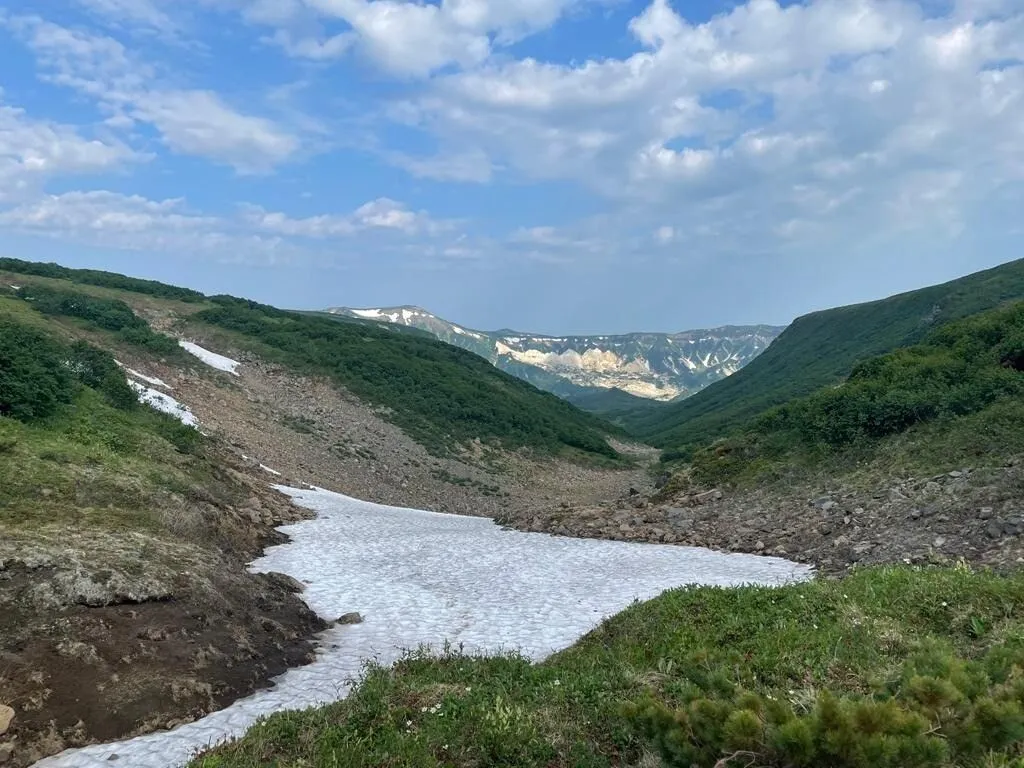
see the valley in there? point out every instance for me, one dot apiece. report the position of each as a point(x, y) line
point(600, 373)
point(190, 548)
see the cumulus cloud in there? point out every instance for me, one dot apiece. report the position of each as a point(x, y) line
point(380, 214)
point(33, 151)
point(774, 119)
point(195, 122)
point(406, 37)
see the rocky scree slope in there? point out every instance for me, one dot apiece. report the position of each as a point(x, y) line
point(651, 366)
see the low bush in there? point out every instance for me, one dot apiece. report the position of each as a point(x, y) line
point(34, 379)
point(105, 314)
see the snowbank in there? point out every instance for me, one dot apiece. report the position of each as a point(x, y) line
point(212, 359)
point(164, 403)
point(506, 590)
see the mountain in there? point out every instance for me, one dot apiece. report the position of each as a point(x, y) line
point(652, 366)
point(820, 349)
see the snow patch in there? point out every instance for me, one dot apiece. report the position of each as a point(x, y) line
point(143, 377)
point(508, 590)
point(367, 313)
point(265, 468)
point(212, 359)
point(164, 403)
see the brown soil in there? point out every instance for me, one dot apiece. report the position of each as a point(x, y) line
point(109, 635)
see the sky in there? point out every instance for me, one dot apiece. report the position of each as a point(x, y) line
point(558, 166)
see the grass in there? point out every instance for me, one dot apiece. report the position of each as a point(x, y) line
point(442, 396)
point(95, 466)
point(821, 349)
point(865, 638)
point(954, 398)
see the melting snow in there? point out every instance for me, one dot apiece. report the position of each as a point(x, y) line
point(164, 403)
point(212, 359)
point(143, 377)
point(507, 590)
point(370, 313)
point(265, 468)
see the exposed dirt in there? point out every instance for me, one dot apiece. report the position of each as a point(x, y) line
point(107, 635)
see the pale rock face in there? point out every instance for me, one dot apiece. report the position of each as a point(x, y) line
point(657, 366)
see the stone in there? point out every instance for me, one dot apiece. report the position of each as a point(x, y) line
point(704, 498)
point(985, 513)
point(956, 473)
point(6, 718)
point(994, 529)
point(939, 541)
point(351, 618)
point(284, 581)
point(825, 529)
point(6, 752)
point(759, 546)
point(821, 503)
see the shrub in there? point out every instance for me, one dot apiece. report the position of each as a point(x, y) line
point(96, 368)
point(960, 713)
point(106, 314)
point(34, 380)
point(102, 279)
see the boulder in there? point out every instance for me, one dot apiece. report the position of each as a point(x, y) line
point(6, 718)
point(351, 618)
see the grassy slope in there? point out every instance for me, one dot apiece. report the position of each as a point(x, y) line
point(867, 636)
point(104, 467)
point(820, 349)
point(439, 394)
point(954, 397)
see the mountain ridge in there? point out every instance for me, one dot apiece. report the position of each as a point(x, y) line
point(649, 366)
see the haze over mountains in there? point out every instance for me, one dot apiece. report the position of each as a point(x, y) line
point(654, 366)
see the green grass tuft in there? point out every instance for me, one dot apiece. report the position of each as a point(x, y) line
point(889, 664)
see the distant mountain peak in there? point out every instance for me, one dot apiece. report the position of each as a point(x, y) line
point(657, 366)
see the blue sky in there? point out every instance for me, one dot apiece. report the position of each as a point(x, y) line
point(550, 165)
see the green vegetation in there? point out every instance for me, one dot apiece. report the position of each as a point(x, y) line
point(888, 667)
point(819, 350)
point(100, 313)
point(970, 368)
point(70, 423)
point(441, 395)
point(100, 279)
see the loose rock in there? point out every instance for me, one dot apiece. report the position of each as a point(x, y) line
point(351, 618)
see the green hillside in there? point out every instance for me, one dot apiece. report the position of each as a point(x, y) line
point(820, 349)
point(959, 394)
point(439, 394)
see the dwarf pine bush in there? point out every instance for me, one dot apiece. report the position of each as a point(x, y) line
point(942, 710)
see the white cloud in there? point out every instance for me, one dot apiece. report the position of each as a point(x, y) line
point(134, 223)
point(380, 214)
point(665, 234)
point(196, 122)
point(827, 115)
point(404, 37)
point(32, 151)
point(144, 13)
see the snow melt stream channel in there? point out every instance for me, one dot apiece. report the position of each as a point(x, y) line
point(424, 577)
